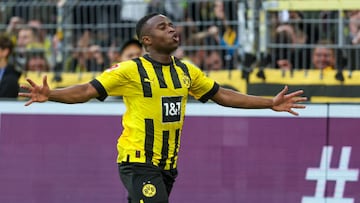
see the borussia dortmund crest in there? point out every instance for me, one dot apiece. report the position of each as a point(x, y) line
point(149, 190)
point(186, 81)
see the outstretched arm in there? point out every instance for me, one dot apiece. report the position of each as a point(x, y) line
point(70, 95)
point(281, 102)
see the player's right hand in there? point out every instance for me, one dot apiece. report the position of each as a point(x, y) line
point(36, 93)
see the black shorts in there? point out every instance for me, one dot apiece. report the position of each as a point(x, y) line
point(147, 183)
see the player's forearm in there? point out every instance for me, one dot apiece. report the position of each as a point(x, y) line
point(249, 102)
point(70, 95)
point(230, 98)
point(253, 102)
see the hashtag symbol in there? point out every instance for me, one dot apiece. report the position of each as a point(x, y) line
point(323, 174)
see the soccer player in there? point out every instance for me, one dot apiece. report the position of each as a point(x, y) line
point(155, 89)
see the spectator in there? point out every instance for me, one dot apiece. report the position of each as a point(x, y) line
point(198, 15)
point(329, 29)
point(226, 12)
point(36, 61)
point(353, 39)
point(113, 53)
point(198, 11)
point(130, 49)
point(77, 60)
point(222, 33)
point(213, 61)
point(9, 77)
point(197, 57)
point(13, 27)
point(39, 9)
point(282, 55)
point(323, 58)
point(44, 40)
point(354, 27)
point(28, 39)
point(294, 32)
point(42, 35)
point(96, 61)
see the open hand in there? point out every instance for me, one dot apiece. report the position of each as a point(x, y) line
point(35, 92)
point(286, 102)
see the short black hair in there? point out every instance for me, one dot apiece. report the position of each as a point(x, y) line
point(128, 43)
point(140, 24)
point(6, 43)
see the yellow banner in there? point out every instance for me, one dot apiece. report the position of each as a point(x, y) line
point(311, 5)
point(307, 77)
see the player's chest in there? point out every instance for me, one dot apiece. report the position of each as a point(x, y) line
point(164, 81)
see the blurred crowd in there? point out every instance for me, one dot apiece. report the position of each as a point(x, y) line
point(90, 35)
point(304, 40)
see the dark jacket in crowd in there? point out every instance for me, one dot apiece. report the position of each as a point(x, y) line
point(9, 83)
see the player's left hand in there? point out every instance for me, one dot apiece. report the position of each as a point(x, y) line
point(286, 102)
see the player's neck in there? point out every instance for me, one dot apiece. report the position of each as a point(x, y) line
point(161, 58)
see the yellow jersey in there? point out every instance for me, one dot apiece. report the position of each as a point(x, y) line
point(155, 96)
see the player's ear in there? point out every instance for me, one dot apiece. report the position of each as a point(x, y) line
point(146, 40)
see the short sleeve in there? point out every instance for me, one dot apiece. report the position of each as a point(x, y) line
point(116, 80)
point(202, 87)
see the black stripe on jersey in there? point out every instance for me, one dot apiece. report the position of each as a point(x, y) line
point(143, 76)
point(149, 139)
point(100, 89)
point(164, 149)
point(210, 93)
point(177, 137)
point(174, 76)
point(182, 66)
point(160, 75)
